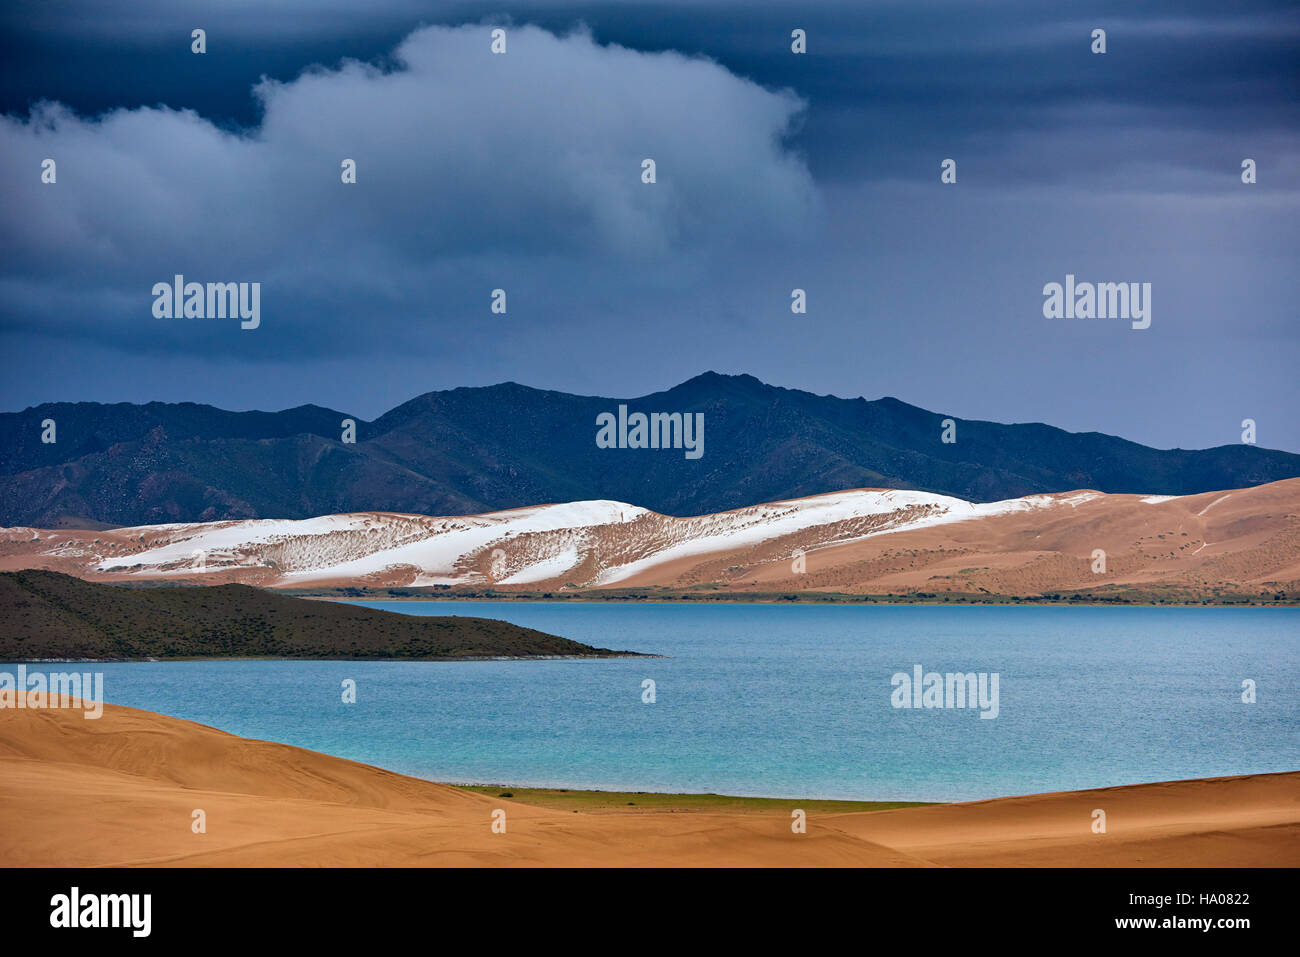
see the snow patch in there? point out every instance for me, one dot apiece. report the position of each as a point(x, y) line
point(541, 542)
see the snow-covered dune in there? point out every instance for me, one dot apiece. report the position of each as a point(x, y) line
point(581, 543)
point(868, 540)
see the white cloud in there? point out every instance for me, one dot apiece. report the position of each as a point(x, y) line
point(469, 164)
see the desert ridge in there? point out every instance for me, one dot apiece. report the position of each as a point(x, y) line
point(1241, 543)
point(123, 791)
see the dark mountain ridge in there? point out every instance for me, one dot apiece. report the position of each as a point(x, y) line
point(469, 450)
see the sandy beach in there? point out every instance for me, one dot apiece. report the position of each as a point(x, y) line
point(122, 791)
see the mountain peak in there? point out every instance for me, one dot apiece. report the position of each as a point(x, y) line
point(472, 450)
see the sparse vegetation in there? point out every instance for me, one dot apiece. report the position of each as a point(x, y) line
point(565, 799)
point(49, 615)
point(1106, 595)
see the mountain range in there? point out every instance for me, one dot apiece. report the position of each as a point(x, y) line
point(473, 450)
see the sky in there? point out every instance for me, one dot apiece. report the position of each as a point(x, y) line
point(774, 171)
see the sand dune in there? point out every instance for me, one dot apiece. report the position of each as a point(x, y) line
point(121, 791)
point(1243, 542)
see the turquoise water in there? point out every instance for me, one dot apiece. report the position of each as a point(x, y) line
point(788, 701)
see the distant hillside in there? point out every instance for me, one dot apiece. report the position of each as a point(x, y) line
point(50, 615)
point(469, 451)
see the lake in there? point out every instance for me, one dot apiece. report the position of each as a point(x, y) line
point(787, 700)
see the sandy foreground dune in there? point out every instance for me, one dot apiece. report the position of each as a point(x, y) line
point(121, 791)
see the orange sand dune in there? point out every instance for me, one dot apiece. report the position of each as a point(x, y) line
point(121, 791)
point(1245, 540)
point(1222, 545)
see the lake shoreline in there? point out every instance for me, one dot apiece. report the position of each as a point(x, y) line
point(602, 799)
point(265, 804)
point(616, 656)
point(803, 598)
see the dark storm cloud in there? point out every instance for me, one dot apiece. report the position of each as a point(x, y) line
point(475, 172)
point(889, 82)
point(776, 171)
